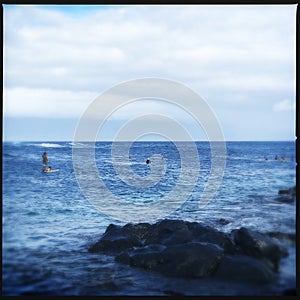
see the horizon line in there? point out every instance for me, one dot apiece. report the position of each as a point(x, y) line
point(128, 141)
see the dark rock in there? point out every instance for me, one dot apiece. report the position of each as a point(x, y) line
point(286, 199)
point(258, 245)
point(244, 268)
point(191, 260)
point(193, 250)
point(140, 230)
point(283, 192)
point(290, 191)
point(169, 232)
point(223, 221)
point(207, 234)
point(283, 236)
point(146, 257)
point(287, 196)
point(115, 239)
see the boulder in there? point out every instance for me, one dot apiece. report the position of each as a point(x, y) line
point(140, 230)
point(184, 249)
point(147, 257)
point(258, 245)
point(199, 232)
point(115, 239)
point(191, 260)
point(283, 192)
point(290, 191)
point(223, 221)
point(285, 199)
point(244, 268)
point(169, 232)
point(287, 196)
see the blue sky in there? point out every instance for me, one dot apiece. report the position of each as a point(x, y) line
point(240, 59)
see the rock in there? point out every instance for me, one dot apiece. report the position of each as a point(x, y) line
point(258, 245)
point(169, 232)
point(223, 221)
point(184, 249)
point(287, 196)
point(191, 260)
point(140, 230)
point(207, 234)
point(283, 236)
point(244, 268)
point(115, 239)
point(147, 257)
point(286, 199)
point(290, 191)
point(283, 192)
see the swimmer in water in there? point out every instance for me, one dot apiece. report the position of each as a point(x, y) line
point(45, 161)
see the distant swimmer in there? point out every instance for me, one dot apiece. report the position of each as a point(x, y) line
point(282, 159)
point(45, 161)
point(148, 161)
point(276, 157)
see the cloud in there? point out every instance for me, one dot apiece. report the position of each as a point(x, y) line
point(50, 49)
point(241, 59)
point(45, 103)
point(284, 105)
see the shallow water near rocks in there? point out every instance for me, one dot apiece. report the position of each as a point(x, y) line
point(48, 224)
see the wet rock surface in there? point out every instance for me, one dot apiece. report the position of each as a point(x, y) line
point(258, 245)
point(184, 249)
point(287, 196)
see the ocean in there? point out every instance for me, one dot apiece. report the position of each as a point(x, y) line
point(49, 222)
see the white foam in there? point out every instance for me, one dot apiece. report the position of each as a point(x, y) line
point(48, 145)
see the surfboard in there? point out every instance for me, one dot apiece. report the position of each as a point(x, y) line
point(53, 171)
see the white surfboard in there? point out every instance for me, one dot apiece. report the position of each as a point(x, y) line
point(52, 171)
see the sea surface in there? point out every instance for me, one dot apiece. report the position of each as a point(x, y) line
point(49, 223)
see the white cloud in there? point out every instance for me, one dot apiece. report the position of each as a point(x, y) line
point(56, 63)
point(121, 43)
point(43, 103)
point(284, 105)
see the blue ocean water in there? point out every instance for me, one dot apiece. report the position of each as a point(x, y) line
point(48, 223)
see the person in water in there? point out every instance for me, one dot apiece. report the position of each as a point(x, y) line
point(45, 161)
point(282, 159)
point(148, 161)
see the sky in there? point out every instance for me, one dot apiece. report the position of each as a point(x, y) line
point(241, 59)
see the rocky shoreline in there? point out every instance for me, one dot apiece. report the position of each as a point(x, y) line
point(177, 248)
point(287, 196)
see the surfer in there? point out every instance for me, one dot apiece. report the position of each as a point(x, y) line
point(45, 161)
point(148, 161)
